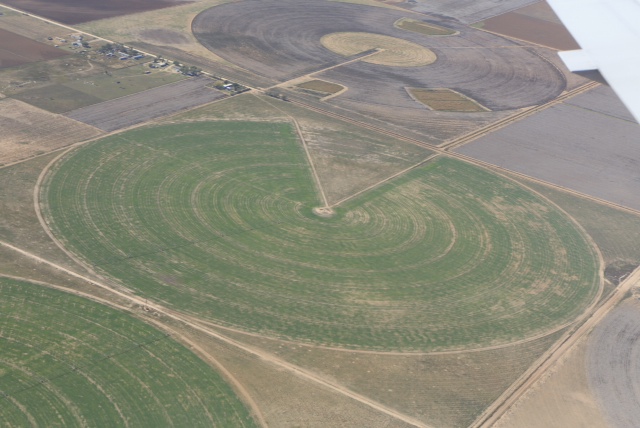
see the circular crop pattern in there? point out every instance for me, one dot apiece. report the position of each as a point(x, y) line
point(218, 219)
point(71, 362)
point(394, 52)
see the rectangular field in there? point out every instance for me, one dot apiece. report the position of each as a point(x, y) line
point(583, 144)
point(28, 131)
point(321, 86)
point(533, 26)
point(17, 50)
point(143, 106)
point(77, 11)
point(69, 83)
point(445, 100)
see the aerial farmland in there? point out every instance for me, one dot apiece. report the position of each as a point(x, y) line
point(312, 213)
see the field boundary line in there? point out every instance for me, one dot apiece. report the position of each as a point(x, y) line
point(379, 183)
point(190, 322)
point(310, 160)
point(322, 70)
point(316, 178)
point(473, 135)
point(496, 410)
point(522, 176)
point(197, 349)
point(469, 159)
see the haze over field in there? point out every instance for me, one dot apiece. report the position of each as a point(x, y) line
point(312, 213)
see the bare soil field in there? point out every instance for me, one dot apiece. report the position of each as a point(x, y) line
point(561, 399)
point(28, 131)
point(466, 11)
point(424, 28)
point(77, 11)
point(151, 104)
point(532, 29)
point(613, 366)
point(30, 27)
point(539, 10)
point(280, 41)
point(17, 50)
point(445, 100)
point(583, 144)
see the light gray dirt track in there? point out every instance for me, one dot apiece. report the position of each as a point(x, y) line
point(586, 144)
point(281, 39)
point(143, 106)
point(613, 364)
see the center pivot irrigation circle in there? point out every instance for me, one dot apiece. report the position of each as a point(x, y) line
point(393, 51)
point(218, 220)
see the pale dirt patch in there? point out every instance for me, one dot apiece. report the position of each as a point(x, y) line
point(562, 398)
point(394, 52)
point(323, 212)
point(28, 131)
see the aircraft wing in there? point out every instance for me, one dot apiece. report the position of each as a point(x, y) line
point(609, 33)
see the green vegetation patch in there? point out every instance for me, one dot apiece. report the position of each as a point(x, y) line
point(445, 100)
point(67, 361)
point(124, 81)
point(56, 98)
point(216, 218)
point(421, 27)
point(321, 86)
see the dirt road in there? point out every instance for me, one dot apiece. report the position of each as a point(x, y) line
point(513, 394)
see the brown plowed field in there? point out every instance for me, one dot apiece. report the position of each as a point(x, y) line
point(532, 29)
point(280, 40)
point(17, 50)
point(137, 108)
point(614, 367)
point(77, 11)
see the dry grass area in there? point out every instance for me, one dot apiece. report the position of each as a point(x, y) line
point(321, 86)
point(170, 28)
point(425, 28)
point(19, 224)
point(29, 131)
point(561, 399)
point(615, 231)
point(440, 390)
point(394, 52)
point(285, 399)
point(445, 100)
